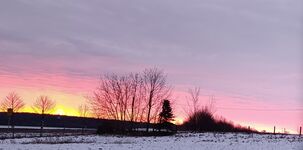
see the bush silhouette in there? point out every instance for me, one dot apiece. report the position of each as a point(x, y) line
point(204, 121)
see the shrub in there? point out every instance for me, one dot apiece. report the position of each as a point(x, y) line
point(204, 121)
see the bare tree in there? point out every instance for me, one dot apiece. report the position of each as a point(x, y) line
point(43, 105)
point(96, 104)
point(195, 107)
point(133, 97)
point(111, 99)
point(156, 89)
point(126, 85)
point(137, 95)
point(96, 112)
point(193, 104)
point(102, 101)
point(193, 100)
point(210, 106)
point(12, 101)
point(83, 110)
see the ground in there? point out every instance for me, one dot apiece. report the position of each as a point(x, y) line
point(182, 141)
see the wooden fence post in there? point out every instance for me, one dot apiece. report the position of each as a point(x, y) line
point(300, 131)
point(274, 129)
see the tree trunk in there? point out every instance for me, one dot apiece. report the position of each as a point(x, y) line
point(148, 113)
point(42, 125)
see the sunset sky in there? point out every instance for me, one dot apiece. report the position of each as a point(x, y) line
point(248, 54)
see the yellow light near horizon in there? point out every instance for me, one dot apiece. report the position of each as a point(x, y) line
point(178, 121)
point(60, 112)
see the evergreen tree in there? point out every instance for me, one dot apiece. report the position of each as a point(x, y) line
point(166, 114)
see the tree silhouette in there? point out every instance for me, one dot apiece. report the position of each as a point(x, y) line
point(156, 88)
point(111, 100)
point(166, 114)
point(13, 101)
point(134, 97)
point(43, 105)
point(83, 110)
point(193, 101)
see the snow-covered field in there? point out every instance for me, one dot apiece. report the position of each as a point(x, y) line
point(201, 141)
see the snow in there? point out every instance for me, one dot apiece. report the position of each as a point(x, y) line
point(182, 141)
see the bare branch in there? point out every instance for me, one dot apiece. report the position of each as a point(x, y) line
point(83, 110)
point(43, 105)
point(13, 101)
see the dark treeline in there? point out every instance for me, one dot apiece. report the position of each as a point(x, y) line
point(132, 98)
point(33, 120)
